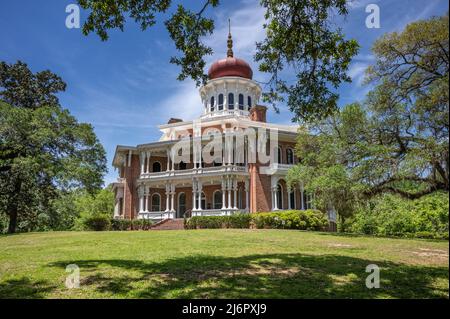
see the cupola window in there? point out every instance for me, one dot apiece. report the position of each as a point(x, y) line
point(231, 101)
point(212, 104)
point(249, 102)
point(220, 102)
point(241, 101)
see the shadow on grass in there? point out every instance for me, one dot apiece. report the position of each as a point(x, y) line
point(257, 276)
point(24, 288)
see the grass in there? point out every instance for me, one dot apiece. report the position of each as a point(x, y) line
point(220, 264)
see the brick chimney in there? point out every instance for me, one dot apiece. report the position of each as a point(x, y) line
point(258, 113)
point(174, 120)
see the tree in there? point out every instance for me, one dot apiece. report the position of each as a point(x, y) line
point(299, 38)
point(398, 140)
point(43, 148)
point(22, 88)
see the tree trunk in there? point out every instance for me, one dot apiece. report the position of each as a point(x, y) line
point(12, 219)
point(13, 207)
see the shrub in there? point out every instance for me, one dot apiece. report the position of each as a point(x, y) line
point(306, 220)
point(233, 221)
point(120, 224)
point(97, 223)
point(390, 215)
point(294, 219)
point(141, 224)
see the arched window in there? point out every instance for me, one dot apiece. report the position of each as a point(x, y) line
point(292, 200)
point(217, 200)
point(212, 104)
point(279, 197)
point(156, 167)
point(279, 155)
point(181, 204)
point(203, 201)
point(220, 102)
point(156, 202)
point(289, 156)
point(241, 101)
point(231, 101)
point(249, 102)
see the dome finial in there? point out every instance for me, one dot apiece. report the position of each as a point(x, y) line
point(229, 42)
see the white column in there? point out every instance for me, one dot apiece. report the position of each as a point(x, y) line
point(289, 199)
point(235, 193)
point(247, 198)
point(148, 155)
point(172, 191)
point(168, 160)
point(301, 198)
point(229, 193)
point(275, 198)
point(194, 193)
point(167, 198)
point(199, 192)
point(142, 158)
point(224, 189)
point(141, 203)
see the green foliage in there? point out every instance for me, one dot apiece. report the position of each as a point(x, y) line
point(120, 224)
point(100, 204)
point(141, 224)
point(397, 140)
point(44, 151)
point(296, 219)
point(22, 88)
point(391, 215)
point(304, 220)
point(97, 223)
point(232, 221)
point(127, 224)
point(299, 38)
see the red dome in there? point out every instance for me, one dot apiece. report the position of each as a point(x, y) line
point(230, 66)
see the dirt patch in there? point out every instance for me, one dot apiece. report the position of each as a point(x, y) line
point(437, 253)
point(337, 245)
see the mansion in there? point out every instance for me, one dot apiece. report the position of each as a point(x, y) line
point(154, 185)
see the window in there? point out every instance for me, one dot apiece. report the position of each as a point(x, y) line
point(241, 101)
point(156, 167)
point(182, 165)
point(220, 102)
point(279, 197)
point(156, 203)
point(289, 156)
point(203, 201)
point(212, 104)
point(292, 199)
point(278, 155)
point(249, 102)
point(217, 200)
point(181, 204)
point(231, 101)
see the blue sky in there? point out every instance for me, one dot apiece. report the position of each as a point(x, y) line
point(126, 86)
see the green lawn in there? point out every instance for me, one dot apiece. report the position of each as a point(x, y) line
point(220, 264)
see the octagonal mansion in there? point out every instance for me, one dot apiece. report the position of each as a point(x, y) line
point(152, 184)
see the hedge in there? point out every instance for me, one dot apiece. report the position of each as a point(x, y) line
point(103, 223)
point(233, 221)
point(294, 219)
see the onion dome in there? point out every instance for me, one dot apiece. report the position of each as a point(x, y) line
point(230, 66)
